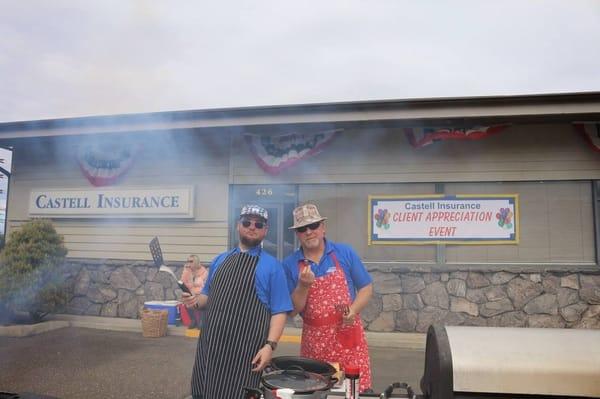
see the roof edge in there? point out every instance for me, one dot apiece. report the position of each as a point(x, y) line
point(104, 122)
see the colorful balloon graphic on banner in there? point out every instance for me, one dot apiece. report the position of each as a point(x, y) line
point(382, 218)
point(505, 218)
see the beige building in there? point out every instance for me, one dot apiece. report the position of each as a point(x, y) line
point(192, 170)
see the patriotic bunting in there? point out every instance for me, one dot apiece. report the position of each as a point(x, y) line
point(423, 136)
point(591, 133)
point(275, 153)
point(104, 163)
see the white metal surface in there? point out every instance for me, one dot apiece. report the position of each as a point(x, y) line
point(526, 360)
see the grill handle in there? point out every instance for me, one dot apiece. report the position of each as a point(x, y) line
point(398, 385)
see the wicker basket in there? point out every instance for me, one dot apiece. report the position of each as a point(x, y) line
point(154, 323)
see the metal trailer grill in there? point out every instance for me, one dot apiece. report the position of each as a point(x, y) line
point(502, 362)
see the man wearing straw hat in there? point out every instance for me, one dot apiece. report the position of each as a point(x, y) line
point(248, 301)
point(329, 286)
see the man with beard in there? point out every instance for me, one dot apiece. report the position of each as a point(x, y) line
point(329, 285)
point(247, 303)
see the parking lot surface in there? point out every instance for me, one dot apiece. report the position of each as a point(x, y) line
point(78, 363)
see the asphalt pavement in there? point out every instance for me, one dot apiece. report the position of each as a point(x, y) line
point(77, 362)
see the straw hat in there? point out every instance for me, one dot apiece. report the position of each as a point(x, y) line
point(306, 214)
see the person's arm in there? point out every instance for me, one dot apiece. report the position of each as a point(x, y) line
point(199, 280)
point(264, 355)
point(203, 274)
point(305, 279)
point(363, 283)
point(299, 299)
point(187, 278)
point(363, 296)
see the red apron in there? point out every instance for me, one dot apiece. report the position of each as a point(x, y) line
point(323, 336)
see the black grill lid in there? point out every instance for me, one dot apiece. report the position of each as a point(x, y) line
point(299, 381)
point(303, 363)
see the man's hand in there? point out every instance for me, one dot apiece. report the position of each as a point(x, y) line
point(348, 317)
point(262, 358)
point(189, 300)
point(307, 277)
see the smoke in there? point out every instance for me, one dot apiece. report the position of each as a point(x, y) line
point(167, 157)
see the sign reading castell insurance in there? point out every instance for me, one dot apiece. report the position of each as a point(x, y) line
point(119, 203)
point(439, 219)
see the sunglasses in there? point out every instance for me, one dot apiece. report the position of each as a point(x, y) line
point(248, 223)
point(312, 226)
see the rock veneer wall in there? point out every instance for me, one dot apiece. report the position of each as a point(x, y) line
point(412, 301)
point(117, 288)
point(403, 300)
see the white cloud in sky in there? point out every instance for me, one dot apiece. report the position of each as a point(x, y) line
point(66, 58)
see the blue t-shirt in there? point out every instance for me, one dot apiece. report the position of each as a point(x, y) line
point(356, 274)
point(270, 281)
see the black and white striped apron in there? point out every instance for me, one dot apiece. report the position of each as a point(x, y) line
point(237, 326)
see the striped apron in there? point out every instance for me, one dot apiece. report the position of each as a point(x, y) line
point(237, 326)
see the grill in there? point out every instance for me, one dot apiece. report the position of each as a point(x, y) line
point(502, 362)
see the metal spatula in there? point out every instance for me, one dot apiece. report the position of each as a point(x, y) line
point(160, 263)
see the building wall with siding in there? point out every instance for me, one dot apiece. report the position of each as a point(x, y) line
point(165, 159)
point(557, 215)
point(357, 163)
point(113, 275)
point(371, 155)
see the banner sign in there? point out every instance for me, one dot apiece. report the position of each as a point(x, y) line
point(440, 219)
point(121, 203)
point(591, 133)
point(104, 163)
point(422, 136)
point(275, 153)
point(5, 172)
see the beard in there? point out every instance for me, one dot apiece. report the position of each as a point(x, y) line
point(312, 243)
point(250, 242)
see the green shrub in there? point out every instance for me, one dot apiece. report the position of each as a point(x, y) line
point(29, 277)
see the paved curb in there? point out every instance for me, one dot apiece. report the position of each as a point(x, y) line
point(414, 341)
point(26, 330)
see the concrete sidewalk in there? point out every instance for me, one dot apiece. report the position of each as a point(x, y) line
point(396, 340)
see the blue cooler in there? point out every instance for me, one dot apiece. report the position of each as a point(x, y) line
point(170, 306)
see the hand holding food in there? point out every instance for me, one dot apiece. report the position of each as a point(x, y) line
point(348, 316)
point(307, 277)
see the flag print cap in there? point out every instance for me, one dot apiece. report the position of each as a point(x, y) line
point(254, 210)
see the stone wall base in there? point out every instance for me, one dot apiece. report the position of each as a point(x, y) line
point(402, 301)
point(409, 301)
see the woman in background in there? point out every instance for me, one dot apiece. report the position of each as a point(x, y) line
point(194, 276)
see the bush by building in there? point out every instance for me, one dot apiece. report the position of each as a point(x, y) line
point(29, 277)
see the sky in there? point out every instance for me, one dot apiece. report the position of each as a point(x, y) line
point(62, 59)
